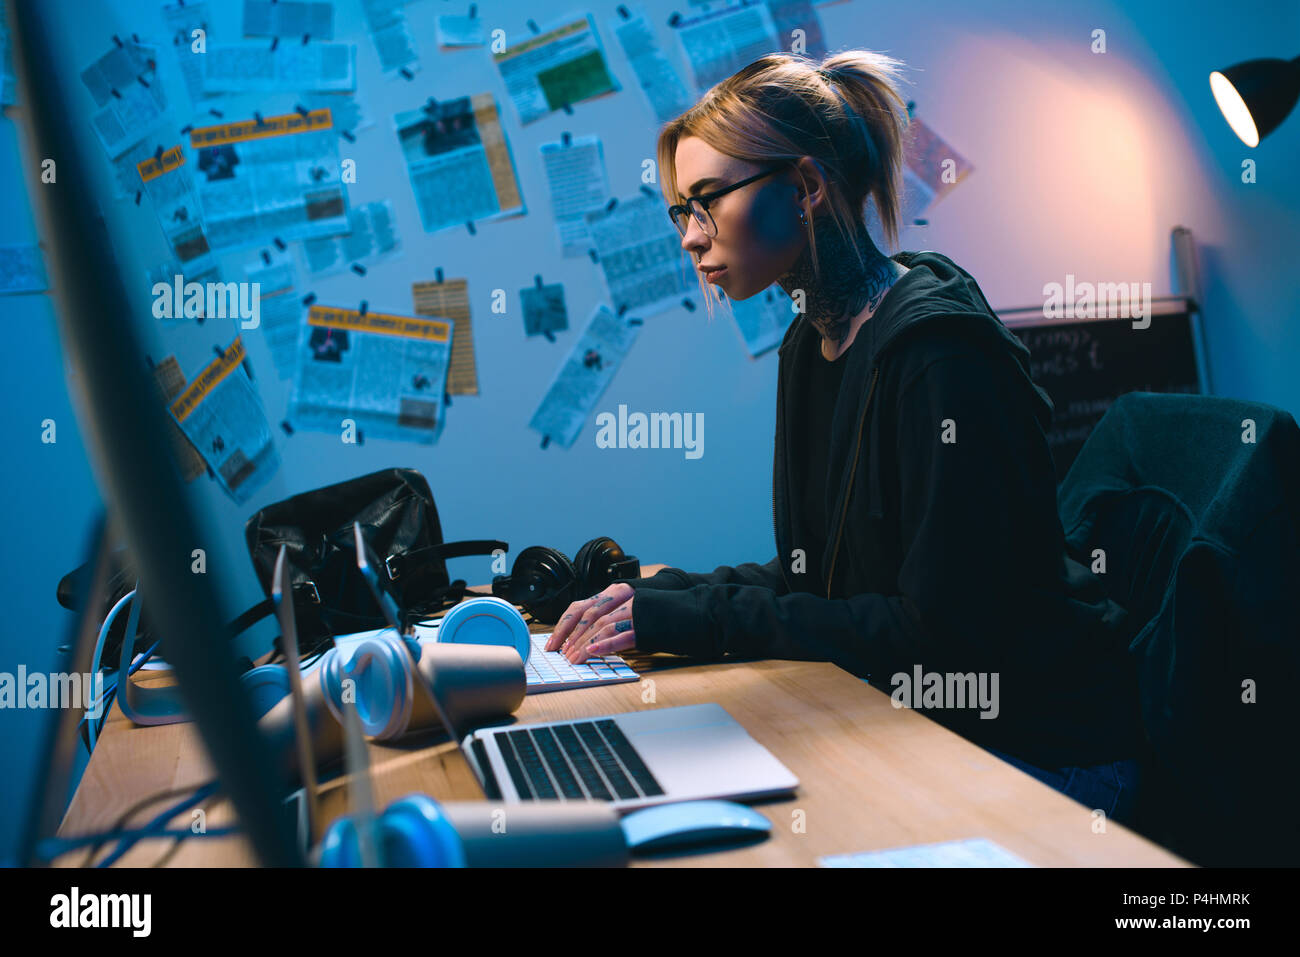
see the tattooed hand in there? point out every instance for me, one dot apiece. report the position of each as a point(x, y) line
point(600, 625)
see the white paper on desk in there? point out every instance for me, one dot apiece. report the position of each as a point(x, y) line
point(281, 309)
point(288, 18)
point(658, 79)
point(394, 42)
point(124, 83)
point(371, 238)
point(256, 68)
point(460, 31)
point(763, 319)
point(460, 167)
point(280, 179)
point(972, 852)
point(388, 373)
point(221, 414)
point(640, 254)
point(579, 183)
point(21, 270)
point(584, 376)
point(562, 65)
point(720, 43)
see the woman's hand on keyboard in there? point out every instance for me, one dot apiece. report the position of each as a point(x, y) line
point(599, 625)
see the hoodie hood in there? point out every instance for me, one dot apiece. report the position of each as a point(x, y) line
point(935, 289)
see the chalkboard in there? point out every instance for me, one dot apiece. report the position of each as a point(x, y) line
point(1085, 365)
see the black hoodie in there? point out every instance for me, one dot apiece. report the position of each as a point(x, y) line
point(944, 551)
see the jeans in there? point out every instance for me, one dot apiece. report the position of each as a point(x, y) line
point(1112, 788)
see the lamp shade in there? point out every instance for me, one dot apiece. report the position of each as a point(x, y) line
point(1256, 96)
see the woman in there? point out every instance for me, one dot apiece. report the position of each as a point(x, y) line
point(914, 495)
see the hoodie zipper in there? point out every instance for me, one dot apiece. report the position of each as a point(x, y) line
point(848, 494)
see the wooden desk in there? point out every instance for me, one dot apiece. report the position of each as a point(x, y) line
point(871, 776)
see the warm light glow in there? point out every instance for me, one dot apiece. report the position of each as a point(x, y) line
point(1234, 108)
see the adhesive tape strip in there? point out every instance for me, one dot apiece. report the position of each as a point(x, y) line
point(486, 621)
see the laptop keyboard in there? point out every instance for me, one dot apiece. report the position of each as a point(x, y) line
point(551, 671)
point(581, 761)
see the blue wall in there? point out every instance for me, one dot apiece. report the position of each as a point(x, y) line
point(1083, 163)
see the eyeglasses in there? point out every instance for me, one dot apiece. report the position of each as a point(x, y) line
point(698, 206)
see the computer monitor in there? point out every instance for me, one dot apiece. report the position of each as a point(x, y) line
point(126, 429)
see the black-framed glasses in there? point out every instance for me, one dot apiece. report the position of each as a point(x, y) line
point(698, 206)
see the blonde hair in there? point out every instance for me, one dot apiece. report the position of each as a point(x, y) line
point(846, 113)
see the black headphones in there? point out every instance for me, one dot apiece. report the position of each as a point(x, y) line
point(544, 582)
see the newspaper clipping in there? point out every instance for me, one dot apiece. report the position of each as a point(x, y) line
point(221, 415)
point(274, 178)
point(386, 373)
point(458, 161)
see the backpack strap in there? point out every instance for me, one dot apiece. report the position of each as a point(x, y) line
point(397, 564)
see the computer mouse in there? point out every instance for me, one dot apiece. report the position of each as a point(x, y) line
point(692, 824)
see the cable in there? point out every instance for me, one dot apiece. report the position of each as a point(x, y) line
point(99, 647)
point(160, 822)
point(108, 696)
point(137, 807)
point(53, 847)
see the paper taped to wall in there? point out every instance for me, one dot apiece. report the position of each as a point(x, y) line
point(575, 173)
point(640, 254)
point(458, 161)
point(449, 299)
point(288, 68)
point(763, 319)
point(387, 373)
point(584, 376)
point(658, 80)
point(125, 85)
point(166, 180)
point(221, 414)
point(21, 269)
point(274, 179)
point(561, 65)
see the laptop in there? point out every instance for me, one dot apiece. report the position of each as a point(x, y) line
point(634, 760)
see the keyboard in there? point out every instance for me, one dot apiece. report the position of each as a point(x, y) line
point(551, 671)
point(581, 761)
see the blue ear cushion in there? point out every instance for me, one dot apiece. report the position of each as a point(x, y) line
point(414, 832)
point(267, 686)
point(486, 621)
point(417, 834)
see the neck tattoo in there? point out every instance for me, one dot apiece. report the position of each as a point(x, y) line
point(847, 286)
